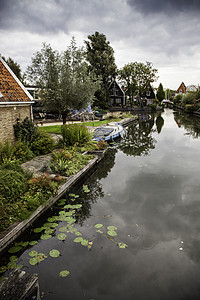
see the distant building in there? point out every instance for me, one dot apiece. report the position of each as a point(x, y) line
point(15, 102)
point(191, 88)
point(181, 89)
point(117, 95)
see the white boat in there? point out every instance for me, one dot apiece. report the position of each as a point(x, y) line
point(108, 132)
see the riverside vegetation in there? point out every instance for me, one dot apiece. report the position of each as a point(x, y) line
point(20, 192)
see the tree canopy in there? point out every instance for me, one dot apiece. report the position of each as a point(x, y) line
point(15, 67)
point(160, 93)
point(64, 80)
point(100, 56)
point(137, 77)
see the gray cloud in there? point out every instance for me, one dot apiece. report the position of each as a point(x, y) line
point(166, 7)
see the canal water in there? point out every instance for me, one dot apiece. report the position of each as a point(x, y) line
point(138, 228)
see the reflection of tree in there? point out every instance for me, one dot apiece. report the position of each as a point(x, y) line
point(94, 185)
point(189, 122)
point(159, 123)
point(138, 138)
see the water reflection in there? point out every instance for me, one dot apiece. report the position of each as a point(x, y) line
point(159, 123)
point(138, 138)
point(190, 123)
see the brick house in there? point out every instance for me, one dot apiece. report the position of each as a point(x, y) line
point(15, 102)
point(181, 89)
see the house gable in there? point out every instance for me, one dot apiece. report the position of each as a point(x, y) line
point(117, 95)
point(11, 89)
point(181, 89)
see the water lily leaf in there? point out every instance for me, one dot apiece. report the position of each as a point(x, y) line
point(14, 249)
point(51, 219)
point(61, 236)
point(68, 206)
point(72, 230)
point(84, 242)
point(12, 265)
point(64, 273)
point(47, 225)
point(24, 244)
point(111, 228)
point(33, 261)
point(54, 253)
point(33, 253)
point(78, 233)
point(86, 189)
point(76, 206)
point(98, 225)
point(19, 266)
point(78, 240)
point(45, 236)
point(37, 230)
point(122, 245)
point(33, 243)
point(3, 269)
point(99, 231)
point(54, 225)
point(61, 202)
point(111, 233)
point(49, 231)
point(41, 257)
point(62, 229)
point(109, 194)
point(68, 213)
point(13, 258)
point(72, 195)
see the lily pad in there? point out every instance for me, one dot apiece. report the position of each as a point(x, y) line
point(33, 253)
point(14, 249)
point(62, 229)
point(12, 265)
point(3, 269)
point(49, 231)
point(33, 261)
point(61, 202)
point(72, 195)
point(54, 225)
point(51, 219)
point(45, 236)
point(25, 244)
point(61, 236)
point(72, 230)
point(84, 242)
point(37, 230)
point(78, 233)
point(64, 273)
point(19, 266)
point(78, 240)
point(98, 226)
point(112, 228)
point(111, 233)
point(68, 206)
point(33, 243)
point(54, 253)
point(122, 245)
point(13, 258)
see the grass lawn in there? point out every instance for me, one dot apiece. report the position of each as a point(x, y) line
point(57, 128)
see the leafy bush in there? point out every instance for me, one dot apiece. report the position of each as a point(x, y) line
point(13, 185)
point(75, 134)
point(188, 98)
point(42, 185)
point(189, 108)
point(43, 144)
point(25, 130)
point(177, 99)
point(18, 151)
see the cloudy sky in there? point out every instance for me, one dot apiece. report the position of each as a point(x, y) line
point(165, 32)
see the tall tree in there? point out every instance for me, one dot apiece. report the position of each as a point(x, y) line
point(160, 93)
point(15, 67)
point(137, 78)
point(100, 55)
point(63, 79)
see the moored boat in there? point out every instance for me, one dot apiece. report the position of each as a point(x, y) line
point(108, 132)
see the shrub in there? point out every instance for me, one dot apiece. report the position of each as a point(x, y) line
point(43, 144)
point(13, 185)
point(42, 185)
point(177, 99)
point(25, 130)
point(75, 134)
point(189, 108)
point(18, 151)
point(188, 98)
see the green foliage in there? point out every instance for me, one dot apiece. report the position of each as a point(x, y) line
point(177, 99)
point(13, 185)
point(160, 93)
point(43, 144)
point(152, 106)
point(188, 98)
point(15, 67)
point(100, 55)
point(16, 152)
point(63, 79)
point(75, 134)
point(189, 108)
point(137, 77)
point(68, 162)
point(25, 131)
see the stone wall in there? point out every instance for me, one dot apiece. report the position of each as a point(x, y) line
point(8, 117)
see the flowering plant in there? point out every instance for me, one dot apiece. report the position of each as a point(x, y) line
point(60, 154)
point(102, 145)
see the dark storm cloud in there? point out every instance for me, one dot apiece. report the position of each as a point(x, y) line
point(166, 6)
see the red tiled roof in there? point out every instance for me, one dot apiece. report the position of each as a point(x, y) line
point(11, 89)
